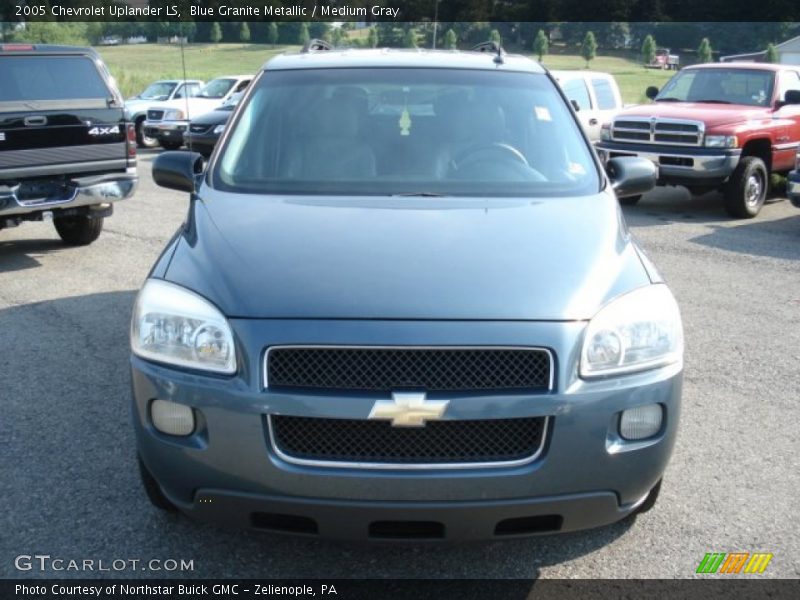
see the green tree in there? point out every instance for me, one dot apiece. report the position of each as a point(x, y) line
point(540, 44)
point(272, 33)
point(494, 36)
point(410, 39)
point(302, 35)
point(450, 40)
point(372, 37)
point(244, 32)
point(771, 55)
point(215, 35)
point(338, 37)
point(648, 50)
point(589, 48)
point(704, 51)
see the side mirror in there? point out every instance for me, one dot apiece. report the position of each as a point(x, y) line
point(177, 170)
point(791, 97)
point(631, 175)
point(651, 92)
point(575, 105)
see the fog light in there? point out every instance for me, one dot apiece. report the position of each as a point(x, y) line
point(641, 422)
point(172, 418)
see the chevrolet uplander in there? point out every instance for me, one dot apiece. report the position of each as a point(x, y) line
point(404, 305)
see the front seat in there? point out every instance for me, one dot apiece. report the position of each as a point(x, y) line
point(330, 148)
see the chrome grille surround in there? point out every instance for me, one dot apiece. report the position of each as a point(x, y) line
point(657, 130)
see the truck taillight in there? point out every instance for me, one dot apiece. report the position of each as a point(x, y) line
point(131, 141)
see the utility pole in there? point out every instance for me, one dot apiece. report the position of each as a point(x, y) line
point(435, 21)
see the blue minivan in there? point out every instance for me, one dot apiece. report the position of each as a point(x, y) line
point(405, 305)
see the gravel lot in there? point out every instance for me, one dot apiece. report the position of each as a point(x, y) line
point(71, 490)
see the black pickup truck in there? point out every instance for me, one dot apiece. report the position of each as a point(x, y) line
point(67, 151)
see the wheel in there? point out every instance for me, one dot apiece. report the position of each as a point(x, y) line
point(746, 189)
point(153, 491)
point(650, 501)
point(630, 200)
point(171, 145)
point(80, 230)
point(142, 140)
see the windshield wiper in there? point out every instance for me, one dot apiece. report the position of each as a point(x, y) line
point(712, 101)
point(420, 195)
point(669, 99)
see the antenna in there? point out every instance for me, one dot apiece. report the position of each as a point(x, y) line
point(183, 67)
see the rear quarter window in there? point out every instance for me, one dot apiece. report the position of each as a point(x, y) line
point(50, 78)
point(606, 100)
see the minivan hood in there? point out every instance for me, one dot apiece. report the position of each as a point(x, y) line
point(710, 114)
point(406, 258)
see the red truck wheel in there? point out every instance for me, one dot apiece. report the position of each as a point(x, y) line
point(746, 190)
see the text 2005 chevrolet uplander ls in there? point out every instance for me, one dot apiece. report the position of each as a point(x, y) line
point(405, 304)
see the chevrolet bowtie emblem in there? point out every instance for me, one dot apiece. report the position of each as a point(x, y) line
point(408, 409)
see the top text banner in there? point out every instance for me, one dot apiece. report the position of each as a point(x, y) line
point(541, 11)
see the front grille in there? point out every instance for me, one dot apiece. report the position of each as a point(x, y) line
point(155, 115)
point(658, 131)
point(388, 369)
point(304, 439)
point(194, 128)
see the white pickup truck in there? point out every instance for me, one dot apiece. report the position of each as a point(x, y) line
point(594, 95)
point(168, 121)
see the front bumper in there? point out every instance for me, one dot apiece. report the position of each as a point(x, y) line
point(679, 165)
point(227, 471)
point(793, 187)
point(201, 142)
point(166, 131)
point(82, 191)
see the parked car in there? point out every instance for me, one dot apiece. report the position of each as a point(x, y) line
point(168, 121)
point(714, 126)
point(595, 96)
point(405, 305)
point(793, 182)
point(665, 60)
point(156, 93)
point(67, 152)
point(204, 131)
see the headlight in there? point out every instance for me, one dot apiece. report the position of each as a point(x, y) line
point(605, 133)
point(219, 129)
point(175, 326)
point(721, 141)
point(638, 331)
point(174, 114)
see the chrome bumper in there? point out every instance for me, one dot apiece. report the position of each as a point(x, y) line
point(167, 125)
point(676, 165)
point(86, 192)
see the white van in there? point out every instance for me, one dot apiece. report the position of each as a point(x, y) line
point(596, 95)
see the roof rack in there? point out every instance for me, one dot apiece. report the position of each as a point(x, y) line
point(315, 45)
point(493, 47)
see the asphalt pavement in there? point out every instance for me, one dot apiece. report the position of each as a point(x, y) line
point(67, 453)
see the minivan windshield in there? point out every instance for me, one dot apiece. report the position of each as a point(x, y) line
point(751, 87)
point(405, 131)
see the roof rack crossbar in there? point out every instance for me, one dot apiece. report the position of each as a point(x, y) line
point(315, 45)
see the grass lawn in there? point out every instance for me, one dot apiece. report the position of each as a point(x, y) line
point(136, 66)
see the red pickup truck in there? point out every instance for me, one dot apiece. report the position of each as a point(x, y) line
point(720, 126)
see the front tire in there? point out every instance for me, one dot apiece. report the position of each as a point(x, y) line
point(650, 501)
point(78, 231)
point(746, 190)
point(153, 491)
point(142, 140)
point(630, 200)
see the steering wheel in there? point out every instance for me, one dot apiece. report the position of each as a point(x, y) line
point(496, 152)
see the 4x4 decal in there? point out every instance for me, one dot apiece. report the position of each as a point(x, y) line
point(104, 130)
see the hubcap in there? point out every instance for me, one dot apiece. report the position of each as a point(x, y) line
point(753, 189)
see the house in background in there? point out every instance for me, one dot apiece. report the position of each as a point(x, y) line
point(788, 54)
